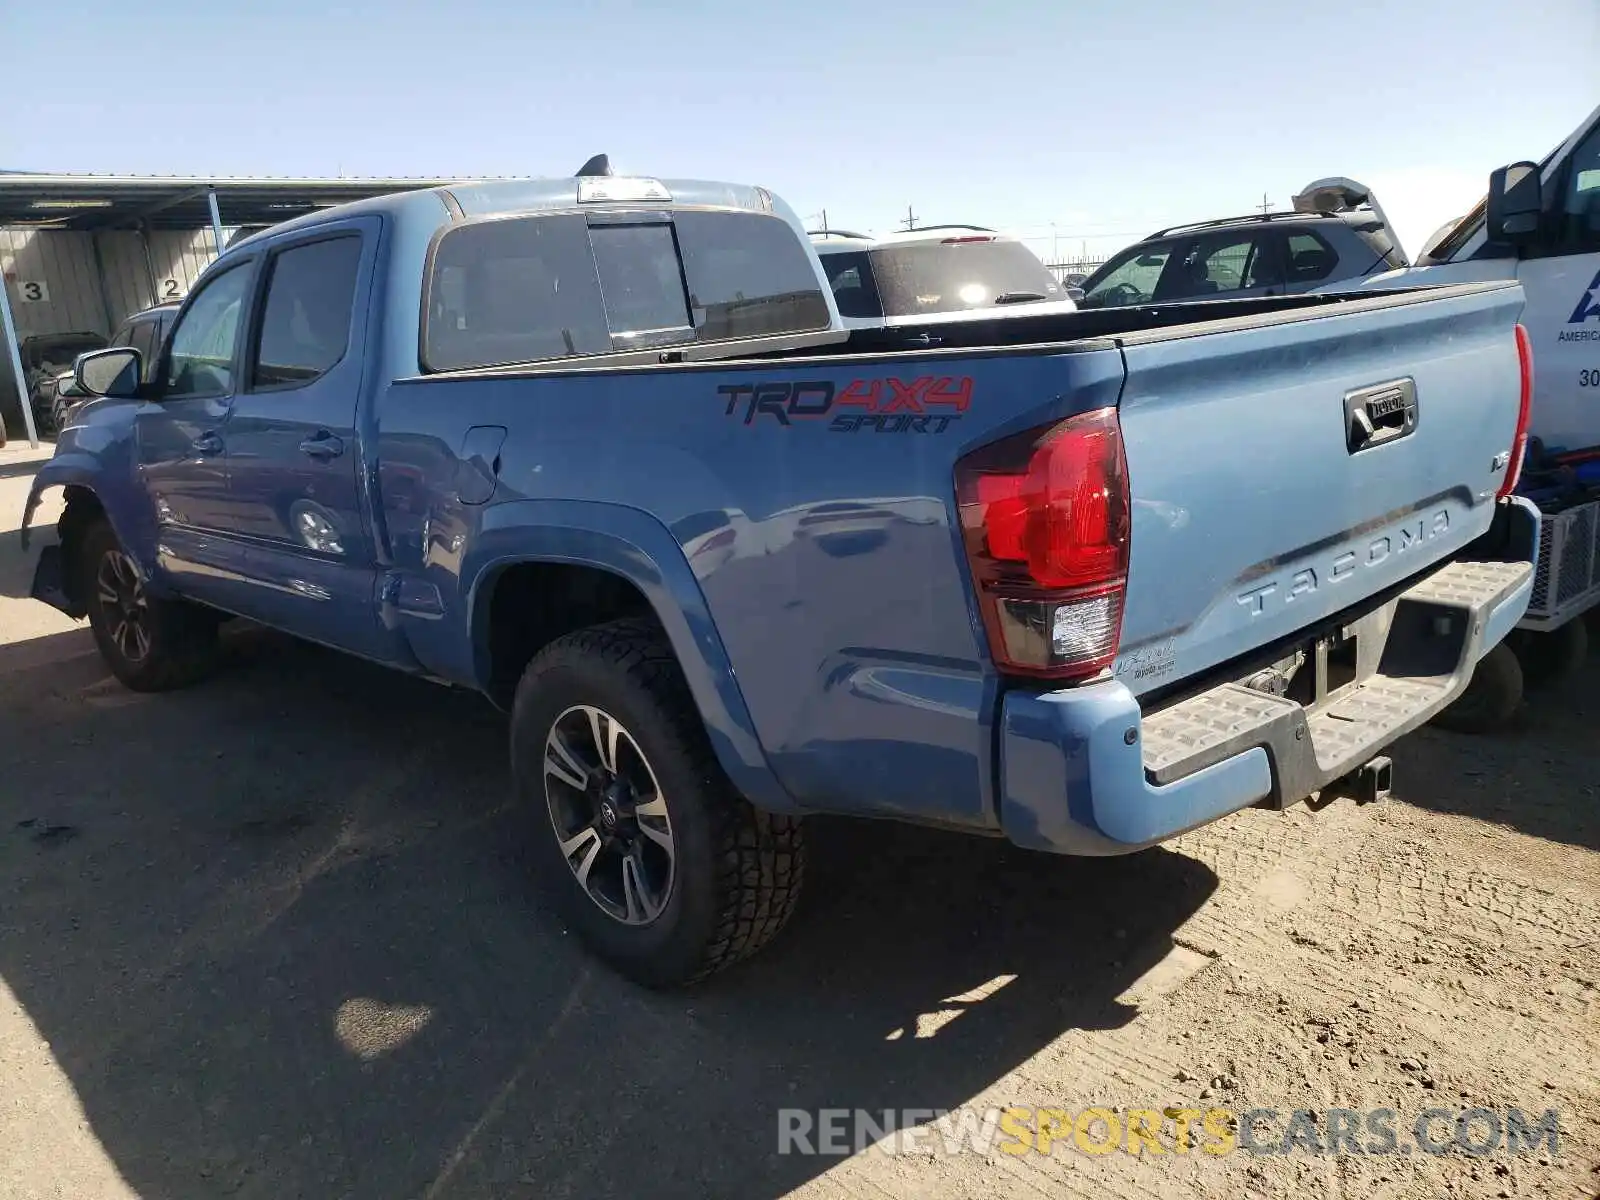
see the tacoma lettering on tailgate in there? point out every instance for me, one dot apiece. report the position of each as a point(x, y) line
point(926, 404)
point(1345, 562)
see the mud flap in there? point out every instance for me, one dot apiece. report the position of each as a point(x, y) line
point(50, 585)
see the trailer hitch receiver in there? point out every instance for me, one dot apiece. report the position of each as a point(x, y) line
point(1368, 783)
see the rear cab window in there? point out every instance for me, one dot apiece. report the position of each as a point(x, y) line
point(508, 290)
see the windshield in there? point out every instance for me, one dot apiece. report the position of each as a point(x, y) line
point(930, 277)
point(1443, 248)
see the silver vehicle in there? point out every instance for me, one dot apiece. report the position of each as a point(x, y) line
point(934, 274)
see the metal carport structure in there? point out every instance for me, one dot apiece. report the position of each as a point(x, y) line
point(100, 235)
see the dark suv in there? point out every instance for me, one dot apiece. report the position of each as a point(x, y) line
point(1263, 255)
point(145, 331)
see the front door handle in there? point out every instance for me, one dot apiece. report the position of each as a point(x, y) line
point(322, 446)
point(207, 443)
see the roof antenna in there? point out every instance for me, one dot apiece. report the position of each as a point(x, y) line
point(600, 164)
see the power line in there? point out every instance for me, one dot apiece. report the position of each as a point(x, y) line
point(909, 221)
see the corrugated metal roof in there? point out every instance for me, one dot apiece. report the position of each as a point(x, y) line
point(90, 202)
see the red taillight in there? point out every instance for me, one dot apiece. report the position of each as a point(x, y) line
point(959, 241)
point(1519, 444)
point(1045, 520)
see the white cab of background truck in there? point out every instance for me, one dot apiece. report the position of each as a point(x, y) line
point(1540, 225)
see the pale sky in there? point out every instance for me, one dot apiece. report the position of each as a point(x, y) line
point(1075, 123)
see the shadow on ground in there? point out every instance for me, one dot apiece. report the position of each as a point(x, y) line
point(278, 933)
point(1540, 775)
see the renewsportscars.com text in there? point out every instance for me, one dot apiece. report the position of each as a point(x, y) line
point(1169, 1130)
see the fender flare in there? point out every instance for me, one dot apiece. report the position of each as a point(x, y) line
point(634, 545)
point(73, 468)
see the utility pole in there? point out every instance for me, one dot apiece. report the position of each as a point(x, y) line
point(910, 219)
point(824, 215)
point(1266, 205)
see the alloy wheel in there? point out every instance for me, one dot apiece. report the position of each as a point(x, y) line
point(123, 603)
point(609, 815)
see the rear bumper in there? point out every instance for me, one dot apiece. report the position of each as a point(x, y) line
point(1084, 771)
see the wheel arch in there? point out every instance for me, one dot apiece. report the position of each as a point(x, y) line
point(624, 562)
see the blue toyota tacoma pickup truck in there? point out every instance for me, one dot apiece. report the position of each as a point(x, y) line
point(601, 449)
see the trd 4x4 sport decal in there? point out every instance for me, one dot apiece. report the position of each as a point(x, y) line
point(926, 404)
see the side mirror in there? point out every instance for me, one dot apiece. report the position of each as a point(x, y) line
point(1516, 200)
point(113, 372)
point(1075, 294)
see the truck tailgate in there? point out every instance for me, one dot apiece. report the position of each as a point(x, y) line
point(1285, 468)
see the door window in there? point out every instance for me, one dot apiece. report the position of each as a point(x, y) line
point(305, 321)
point(1210, 266)
point(204, 341)
point(1576, 220)
point(1131, 281)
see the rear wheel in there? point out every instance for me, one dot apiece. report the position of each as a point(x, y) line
point(1552, 656)
point(1491, 697)
point(665, 871)
point(151, 644)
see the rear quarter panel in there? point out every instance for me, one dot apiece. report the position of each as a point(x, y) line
point(827, 559)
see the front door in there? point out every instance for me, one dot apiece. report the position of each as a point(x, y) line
point(294, 451)
point(1560, 275)
point(180, 447)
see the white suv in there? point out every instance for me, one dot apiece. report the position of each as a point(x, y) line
point(935, 274)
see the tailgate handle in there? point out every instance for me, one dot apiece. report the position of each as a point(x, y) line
point(1379, 413)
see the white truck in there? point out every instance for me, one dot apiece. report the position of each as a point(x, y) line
point(1539, 224)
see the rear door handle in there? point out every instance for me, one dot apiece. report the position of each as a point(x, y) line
point(207, 443)
point(322, 446)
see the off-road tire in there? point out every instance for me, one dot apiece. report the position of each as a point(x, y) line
point(1491, 697)
point(182, 636)
point(737, 870)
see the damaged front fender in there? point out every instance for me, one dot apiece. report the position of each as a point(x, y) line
point(53, 583)
point(64, 470)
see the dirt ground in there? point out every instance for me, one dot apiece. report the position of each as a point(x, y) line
point(273, 937)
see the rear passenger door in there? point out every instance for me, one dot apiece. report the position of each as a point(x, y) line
point(294, 452)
